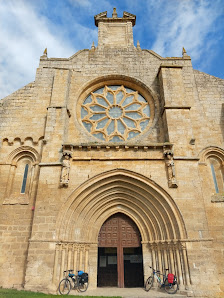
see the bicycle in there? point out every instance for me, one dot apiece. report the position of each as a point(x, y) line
point(169, 282)
point(73, 281)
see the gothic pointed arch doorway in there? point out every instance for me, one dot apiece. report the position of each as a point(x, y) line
point(119, 253)
point(150, 207)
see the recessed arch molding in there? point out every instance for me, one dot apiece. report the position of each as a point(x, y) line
point(145, 202)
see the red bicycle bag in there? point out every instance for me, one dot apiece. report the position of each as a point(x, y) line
point(170, 278)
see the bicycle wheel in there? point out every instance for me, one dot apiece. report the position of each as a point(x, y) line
point(64, 286)
point(82, 287)
point(170, 288)
point(148, 283)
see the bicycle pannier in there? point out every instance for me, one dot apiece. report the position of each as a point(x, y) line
point(170, 278)
point(80, 272)
point(84, 278)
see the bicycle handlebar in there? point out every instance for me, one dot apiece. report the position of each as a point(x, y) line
point(158, 270)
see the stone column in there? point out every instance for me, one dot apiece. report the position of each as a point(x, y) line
point(86, 260)
point(62, 263)
point(165, 257)
point(80, 259)
point(186, 271)
point(10, 180)
point(159, 259)
point(171, 258)
point(75, 259)
point(179, 275)
point(154, 262)
point(69, 257)
point(55, 264)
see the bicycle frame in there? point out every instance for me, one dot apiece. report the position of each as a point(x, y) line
point(74, 278)
point(159, 280)
point(72, 281)
point(170, 288)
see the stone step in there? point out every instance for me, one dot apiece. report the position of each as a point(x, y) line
point(128, 293)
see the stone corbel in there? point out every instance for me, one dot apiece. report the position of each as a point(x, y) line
point(217, 198)
point(65, 170)
point(171, 173)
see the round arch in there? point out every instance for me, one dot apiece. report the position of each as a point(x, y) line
point(211, 151)
point(146, 203)
point(23, 151)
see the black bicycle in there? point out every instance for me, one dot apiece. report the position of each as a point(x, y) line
point(73, 281)
point(168, 282)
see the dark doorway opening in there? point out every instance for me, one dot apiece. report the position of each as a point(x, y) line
point(119, 253)
point(107, 267)
point(133, 267)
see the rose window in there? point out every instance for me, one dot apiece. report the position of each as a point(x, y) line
point(115, 113)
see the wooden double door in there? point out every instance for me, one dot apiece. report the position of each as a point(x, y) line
point(120, 261)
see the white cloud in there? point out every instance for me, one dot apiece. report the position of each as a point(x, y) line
point(188, 25)
point(92, 5)
point(24, 36)
point(27, 27)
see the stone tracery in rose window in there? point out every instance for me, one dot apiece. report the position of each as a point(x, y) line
point(115, 113)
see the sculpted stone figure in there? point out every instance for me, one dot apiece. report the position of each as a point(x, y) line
point(172, 182)
point(65, 170)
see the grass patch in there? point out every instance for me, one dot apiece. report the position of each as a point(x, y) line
point(11, 293)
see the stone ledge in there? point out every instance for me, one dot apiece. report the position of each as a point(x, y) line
point(172, 241)
point(217, 198)
point(171, 65)
point(47, 164)
point(109, 146)
point(21, 199)
point(177, 107)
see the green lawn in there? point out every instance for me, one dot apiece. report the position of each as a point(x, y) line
point(8, 293)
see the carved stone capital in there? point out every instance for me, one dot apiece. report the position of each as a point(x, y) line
point(168, 152)
point(67, 153)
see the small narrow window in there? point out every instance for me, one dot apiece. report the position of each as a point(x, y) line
point(217, 174)
point(214, 178)
point(24, 178)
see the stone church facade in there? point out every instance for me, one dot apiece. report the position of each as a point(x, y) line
point(111, 161)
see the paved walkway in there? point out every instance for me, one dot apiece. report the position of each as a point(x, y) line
point(127, 293)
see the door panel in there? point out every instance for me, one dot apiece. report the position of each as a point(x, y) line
point(119, 229)
point(120, 232)
point(107, 267)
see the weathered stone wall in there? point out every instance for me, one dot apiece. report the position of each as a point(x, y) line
point(210, 110)
point(43, 120)
point(23, 116)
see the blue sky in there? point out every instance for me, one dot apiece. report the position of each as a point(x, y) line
point(27, 27)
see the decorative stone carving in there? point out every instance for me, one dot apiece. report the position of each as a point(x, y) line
point(114, 15)
point(115, 113)
point(44, 56)
point(172, 182)
point(138, 46)
point(65, 171)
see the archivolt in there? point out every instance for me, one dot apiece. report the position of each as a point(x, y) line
point(23, 151)
point(211, 152)
point(148, 205)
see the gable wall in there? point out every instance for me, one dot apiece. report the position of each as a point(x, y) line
point(48, 109)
